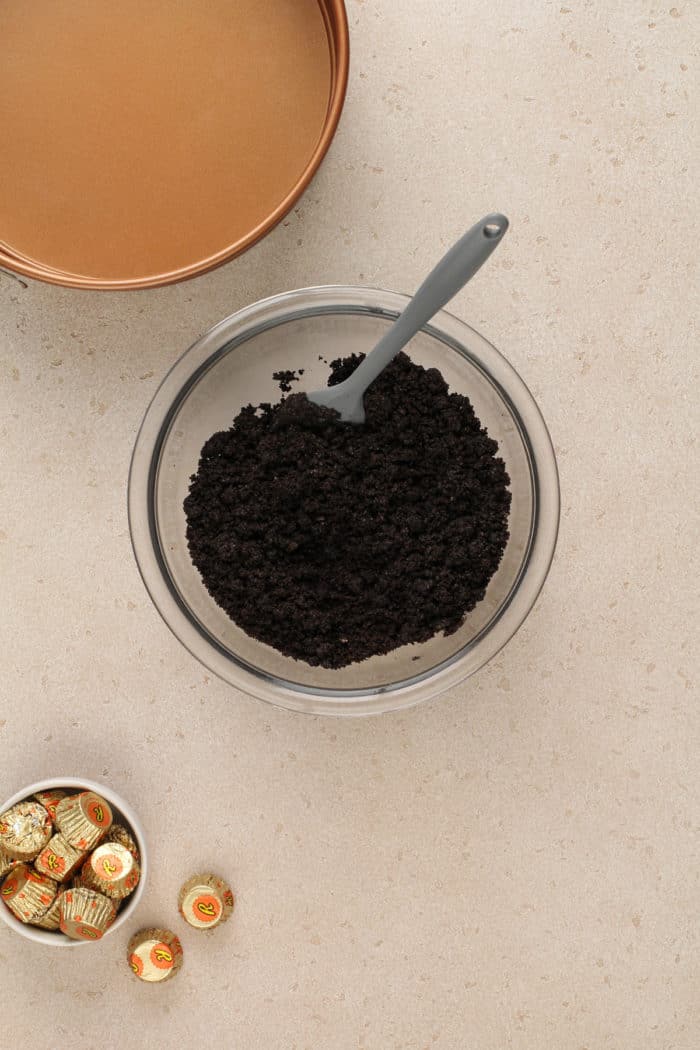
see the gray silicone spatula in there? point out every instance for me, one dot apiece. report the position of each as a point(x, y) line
point(450, 275)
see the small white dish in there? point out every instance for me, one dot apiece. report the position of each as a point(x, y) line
point(123, 813)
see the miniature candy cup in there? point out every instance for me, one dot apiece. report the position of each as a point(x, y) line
point(24, 830)
point(52, 919)
point(205, 901)
point(118, 833)
point(58, 859)
point(86, 915)
point(84, 819)
point(50, 800)
point(27, 894)
point(154, 955)
point(111, 869)
point(7, 863)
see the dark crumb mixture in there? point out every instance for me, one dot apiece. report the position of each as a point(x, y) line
point(333, 542)
point(286, 377)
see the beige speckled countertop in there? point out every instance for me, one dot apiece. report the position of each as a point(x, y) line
point(515, 864)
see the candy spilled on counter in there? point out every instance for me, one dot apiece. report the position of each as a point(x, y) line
point(205, 901)
point(154, 955)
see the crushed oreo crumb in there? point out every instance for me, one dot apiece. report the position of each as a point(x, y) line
point(334, 542)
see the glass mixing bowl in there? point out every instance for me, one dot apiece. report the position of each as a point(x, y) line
point(232, 366)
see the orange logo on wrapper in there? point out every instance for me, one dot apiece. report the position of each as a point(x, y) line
point(206, 908)
point(136, 964)
point(9, 887)
point(50, 802)
point(162, 956)
point(98, 813)
point(54, 863)
point(228, 899)
point(88, 933)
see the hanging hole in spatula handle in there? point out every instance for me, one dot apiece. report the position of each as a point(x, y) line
point(443, 282)
point(494, 226)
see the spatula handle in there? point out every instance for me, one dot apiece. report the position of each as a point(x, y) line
point(450, 275)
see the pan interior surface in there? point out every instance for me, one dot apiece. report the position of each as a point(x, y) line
point(142, 140)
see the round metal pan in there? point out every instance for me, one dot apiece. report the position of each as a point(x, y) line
point(147, 143)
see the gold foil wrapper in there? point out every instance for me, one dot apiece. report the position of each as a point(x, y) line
point(206, 901)
point(50, 799)
point(52, 919)
point(113, 870)
point(154, 955)
point(83, 820)
point(7, 863)
point(58, 859)
point(24, 830)
point(27, 894)
point(86, 915)
point(118, 833)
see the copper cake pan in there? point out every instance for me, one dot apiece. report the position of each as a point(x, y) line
point(147, 143)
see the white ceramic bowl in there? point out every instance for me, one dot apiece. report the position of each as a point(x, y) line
point(123, 813)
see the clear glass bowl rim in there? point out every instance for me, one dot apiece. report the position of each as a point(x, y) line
point(244, 325)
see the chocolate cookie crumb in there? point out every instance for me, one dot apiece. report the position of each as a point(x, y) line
point(333, 542)
point(286, 377)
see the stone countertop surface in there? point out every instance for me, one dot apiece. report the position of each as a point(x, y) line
point(512, 865)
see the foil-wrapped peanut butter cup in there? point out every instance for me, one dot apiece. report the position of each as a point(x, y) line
point(24, 830)
point(86, 915)
point(50, 799)
point(58, 859)
point(28, 894)
point(7, 863)
point(84, 820)
point(205, 901)
point(118, 833)
point(154, 955)
point(111, 869)
point(52, 919)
